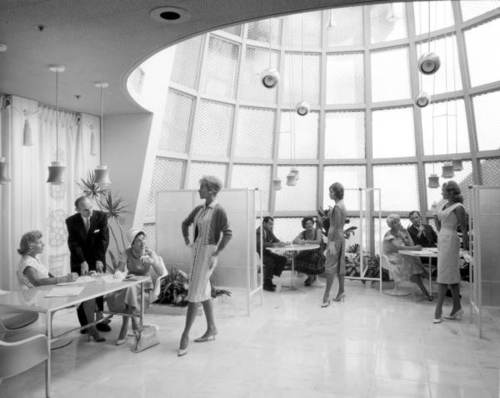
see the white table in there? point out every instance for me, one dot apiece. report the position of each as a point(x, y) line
point(293, 249)
point(430, 253)
point(34, 300)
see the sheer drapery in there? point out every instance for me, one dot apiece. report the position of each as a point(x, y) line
point(28, 202)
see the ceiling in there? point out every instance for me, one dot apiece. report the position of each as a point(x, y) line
point(104, 40)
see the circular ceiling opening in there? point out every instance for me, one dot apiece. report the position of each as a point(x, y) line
point(170, 14)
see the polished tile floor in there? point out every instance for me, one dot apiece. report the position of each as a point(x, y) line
point(371, 345)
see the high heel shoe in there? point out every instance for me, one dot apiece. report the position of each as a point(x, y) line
point(182, 351)
point(121, 341)
point(205, 338)
point(456, 316)
point(340, 297)
point(437, 320)
point(325, 304)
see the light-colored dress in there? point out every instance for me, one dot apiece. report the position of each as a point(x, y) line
point(448, 271)
point(335, 263)
point(400, 267)
point(33, 262)
point(199, 282)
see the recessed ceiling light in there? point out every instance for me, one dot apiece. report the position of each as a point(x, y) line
point(3, 47)
point(170, 15)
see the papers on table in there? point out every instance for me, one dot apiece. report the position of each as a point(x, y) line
point(79, 280)
point(64, 291)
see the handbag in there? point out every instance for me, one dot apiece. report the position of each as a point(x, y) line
point(146, 337)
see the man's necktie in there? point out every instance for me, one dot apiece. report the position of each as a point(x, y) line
point(87, 224)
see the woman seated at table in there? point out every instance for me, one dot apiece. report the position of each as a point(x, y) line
point(309, 259)
point(139, 260)
point(402, 267)
point(32, 273)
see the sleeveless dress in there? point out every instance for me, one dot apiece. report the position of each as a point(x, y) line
point(448, 246)
point(32, 262)
point(199, 282)
point(336, 262)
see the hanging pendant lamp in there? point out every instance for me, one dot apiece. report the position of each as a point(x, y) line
point(447, 170)
point(27, 134)
point(295, 171)
point(457, 165)
point(101, 172)
point(291, 179)
point(423, 100)
point(270, 77)
point(429, 63)
point(302, 108)
point(56, 168)
point(433, 181)
point(3, 171)
point(277, 184)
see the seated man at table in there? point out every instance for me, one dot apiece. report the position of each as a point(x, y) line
point(273, 263)
point(402, 267)
point(421, 234)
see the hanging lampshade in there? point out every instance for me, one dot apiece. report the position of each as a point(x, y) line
point(423, 99)
point(291, 179)
point(101, 172)
point(429, 63)
point(277, 184)
point(433, 181)
point(56, 173)
point(3, 172)
point(447, 170)
point(56, 169)
point(457, 165)
point(270, 77)
point(295, 172)
point(302, 108)
point(27, 135)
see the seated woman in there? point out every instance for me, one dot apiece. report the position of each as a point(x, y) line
point(402, 267)
point(139, 260)
point(309, 259)
point(32, 273)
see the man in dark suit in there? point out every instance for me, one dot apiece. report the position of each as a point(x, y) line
point(422, 234)
point(273, 263)
point(88, 238)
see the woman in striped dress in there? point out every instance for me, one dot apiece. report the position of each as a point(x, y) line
point(211, 234)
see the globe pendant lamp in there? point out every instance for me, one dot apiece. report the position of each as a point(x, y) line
point(429, 63)
point(101, 172)
point(423, 100)
point(433, 181)
point(447, 170)
point(277, 184)
point(457, 165)
point(270, 77)
point(27, 134)
point(3, 171)
point(302, 108)
point(56, 168)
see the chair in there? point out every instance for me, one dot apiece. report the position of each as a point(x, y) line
point(397, 290)
point(18, 356)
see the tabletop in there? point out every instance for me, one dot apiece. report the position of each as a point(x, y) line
point(293, 248)
point(34, 299)
point(431, 252)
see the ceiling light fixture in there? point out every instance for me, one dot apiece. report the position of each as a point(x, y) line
point(56, 169)
point(101, 172)
point(429, 63)
point(423, 99)
point(303, 107)
point(270, 77)
point(170, 15)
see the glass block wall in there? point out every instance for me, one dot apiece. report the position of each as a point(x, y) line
point(356, 67)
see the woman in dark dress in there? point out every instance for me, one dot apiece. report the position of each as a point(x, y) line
point(309, 259)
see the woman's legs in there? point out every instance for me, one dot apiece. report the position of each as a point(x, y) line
point(208, 309)
point(439, 305)
point(341, 287)
point(418, 281)
point(455, 292)
point(330, 276)
point(89, 309)
point(190, 317)
point(123, 331)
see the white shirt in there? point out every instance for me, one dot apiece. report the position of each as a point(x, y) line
point(28, 261)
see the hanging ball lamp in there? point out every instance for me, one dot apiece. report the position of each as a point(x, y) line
point(423, 99)
point(433, 181)
point(302, 108)
point(447, 170)
point(270, 77)
point(429, 63)
point(56, 173)
point(277, 184)
point(457, 165)
point(3, 171)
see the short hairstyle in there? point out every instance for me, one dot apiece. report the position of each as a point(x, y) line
point(137, 235)
point(266, 219)
point(411, 213)
point(453, 191)
point(391, 219)
point(79, 200)
point(338, 190)
point(212, 183)
point(305, 220)
point(26, 240)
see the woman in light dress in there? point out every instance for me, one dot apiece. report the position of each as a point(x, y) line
point(451, 215)
point(335, 251)
point(211, 234)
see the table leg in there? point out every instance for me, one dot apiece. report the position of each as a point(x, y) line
point(430, 276)
point(48, 327)
point(142, 306)
point(292, 285)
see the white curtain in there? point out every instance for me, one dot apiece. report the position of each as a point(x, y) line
point(28, 202)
